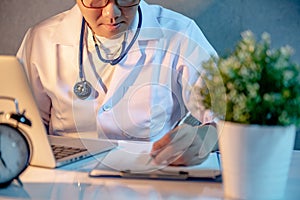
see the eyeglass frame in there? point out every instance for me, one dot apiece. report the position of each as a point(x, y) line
point(116, 2)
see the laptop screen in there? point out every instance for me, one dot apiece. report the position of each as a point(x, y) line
point(14, 84)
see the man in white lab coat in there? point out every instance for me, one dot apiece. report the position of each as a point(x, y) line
point(123, 69)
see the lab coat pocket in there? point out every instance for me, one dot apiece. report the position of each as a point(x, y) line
point(144, 109)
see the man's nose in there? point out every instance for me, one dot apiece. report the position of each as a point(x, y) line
point(111, 10)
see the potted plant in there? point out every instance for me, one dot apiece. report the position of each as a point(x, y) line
point(255, 92)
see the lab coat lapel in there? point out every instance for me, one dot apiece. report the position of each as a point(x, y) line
point(66, 39)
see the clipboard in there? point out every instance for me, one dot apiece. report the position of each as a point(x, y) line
point(204, 174)
point(125, 162)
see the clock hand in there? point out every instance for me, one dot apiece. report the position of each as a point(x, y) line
point(3, 162)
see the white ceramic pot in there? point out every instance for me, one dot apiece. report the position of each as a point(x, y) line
point(255, 159)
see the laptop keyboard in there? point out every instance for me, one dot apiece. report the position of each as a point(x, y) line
point(63, 151)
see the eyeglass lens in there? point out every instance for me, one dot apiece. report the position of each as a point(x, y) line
point(103, 3)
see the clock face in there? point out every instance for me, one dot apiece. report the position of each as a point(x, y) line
point(14, 153)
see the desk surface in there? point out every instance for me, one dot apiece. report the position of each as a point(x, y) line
point(72, 182)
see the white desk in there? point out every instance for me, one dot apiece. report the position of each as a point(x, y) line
point(72, 182)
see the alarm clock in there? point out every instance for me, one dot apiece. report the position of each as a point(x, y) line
point(15, 145)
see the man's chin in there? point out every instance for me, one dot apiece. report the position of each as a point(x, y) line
point(110, 31)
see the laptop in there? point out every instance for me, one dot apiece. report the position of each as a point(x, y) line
point(47, 150)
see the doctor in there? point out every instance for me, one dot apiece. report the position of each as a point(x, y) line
point(123, 69)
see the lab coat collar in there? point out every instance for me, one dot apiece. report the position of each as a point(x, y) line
point(70, 26)
point(151, 29)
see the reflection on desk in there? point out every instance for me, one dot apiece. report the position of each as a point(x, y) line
point(72, 182)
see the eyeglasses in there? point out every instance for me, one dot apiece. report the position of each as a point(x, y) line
point(103, 3)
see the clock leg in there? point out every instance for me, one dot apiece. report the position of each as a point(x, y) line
point(19, 181)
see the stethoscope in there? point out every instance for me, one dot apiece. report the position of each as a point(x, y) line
point(83, 88)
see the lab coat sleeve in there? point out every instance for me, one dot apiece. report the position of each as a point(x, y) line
point(26, 54)
point(197, 51)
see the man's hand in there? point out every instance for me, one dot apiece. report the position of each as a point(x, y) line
point(185, 145)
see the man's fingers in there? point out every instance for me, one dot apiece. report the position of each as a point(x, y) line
point(171, 137)
point(160, 144)
point(167, 155)
point(165, 140)
point(191, 155)
point(185, 145)
point(177, 146)
point(186, 157)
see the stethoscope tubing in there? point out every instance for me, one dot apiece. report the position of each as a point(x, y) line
point(112, 62)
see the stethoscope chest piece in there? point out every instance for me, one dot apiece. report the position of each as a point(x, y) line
point(82, 89)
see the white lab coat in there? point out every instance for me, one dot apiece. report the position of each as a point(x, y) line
point(161, 68)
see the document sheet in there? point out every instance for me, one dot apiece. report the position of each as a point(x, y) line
point(133, 160)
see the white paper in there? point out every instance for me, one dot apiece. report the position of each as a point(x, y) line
point(135, 157)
